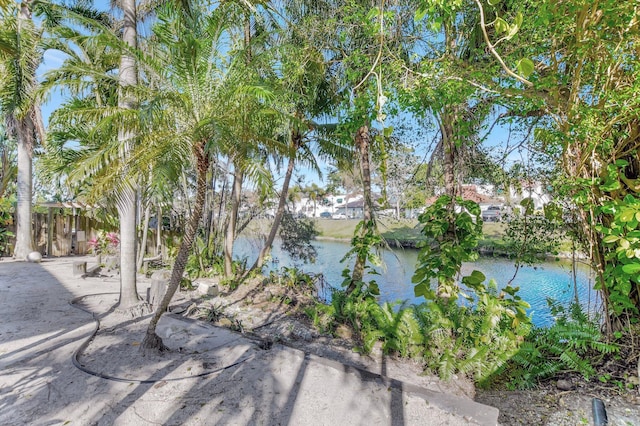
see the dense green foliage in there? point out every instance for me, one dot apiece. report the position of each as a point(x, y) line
point(6, 218)
point(479, 333)
point(622, 271)
point(451, 240)
point(573, 344)
point(296, 235)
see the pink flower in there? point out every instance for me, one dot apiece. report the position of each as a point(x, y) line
point(112, 237)
point(104, 243)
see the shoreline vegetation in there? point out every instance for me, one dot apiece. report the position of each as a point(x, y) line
point(405, 234)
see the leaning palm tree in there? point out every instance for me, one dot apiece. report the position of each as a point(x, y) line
point(191, 107)
point(21, 52)
point(307, 92)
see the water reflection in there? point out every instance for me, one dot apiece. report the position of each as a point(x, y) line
point(548, 280)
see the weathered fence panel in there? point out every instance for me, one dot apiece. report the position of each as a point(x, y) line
point(60, 232)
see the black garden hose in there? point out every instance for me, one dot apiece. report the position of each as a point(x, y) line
point(599, 412)
point(83, 346)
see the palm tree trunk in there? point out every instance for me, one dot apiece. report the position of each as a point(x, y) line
point(24, 233)
point(219, 221)
point(282, 202)
point(128, 241)
point(236, 198)
point(145, 234)
point(153, 342)
point(25, 135)
point(363, 140)
point(127, 206)
point(210, 205)
point(159, 224)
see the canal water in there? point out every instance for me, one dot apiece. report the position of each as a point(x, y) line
point(548, 280)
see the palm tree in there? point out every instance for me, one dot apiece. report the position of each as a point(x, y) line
point(192, 107)
point(127, 200)
point(21, 52)
point(307, 92)
point(253, 131)
point(102, 117)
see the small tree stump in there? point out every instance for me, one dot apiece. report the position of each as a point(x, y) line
point(159, 283)
point(79, 268)
point(208, 286)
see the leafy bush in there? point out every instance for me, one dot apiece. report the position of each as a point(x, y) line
point(397, 330)
point(472, 330)
point(573, 344)
point(530, 237)
point(5, 220)
point(621, 278)
point(477, 339)
point(296, 234)
point(477, 336)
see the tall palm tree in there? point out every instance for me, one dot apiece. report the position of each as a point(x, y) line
point(307, 92)
point(253, 132)
point(127, 203)
point(21, 52)
point(102, 117)
point(191, 108)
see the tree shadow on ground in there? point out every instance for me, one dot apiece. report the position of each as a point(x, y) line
point(212, 376)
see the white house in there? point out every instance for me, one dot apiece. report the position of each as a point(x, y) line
point(534, 190)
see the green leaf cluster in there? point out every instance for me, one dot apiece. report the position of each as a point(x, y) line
point(621, 239)
point(451, 240)
point(6, 218)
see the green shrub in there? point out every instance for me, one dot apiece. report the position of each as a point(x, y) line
point(573, 344)
point(472, 330)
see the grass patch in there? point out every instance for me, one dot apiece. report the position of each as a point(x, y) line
point(392, 230)
point(337, 228)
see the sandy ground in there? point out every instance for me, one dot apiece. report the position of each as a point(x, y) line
point(212, 375)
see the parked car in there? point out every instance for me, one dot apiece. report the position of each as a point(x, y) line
point(325, 215)
point(339, 216)
point(492, 214)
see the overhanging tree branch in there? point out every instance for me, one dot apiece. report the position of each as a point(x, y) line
point(495, 53)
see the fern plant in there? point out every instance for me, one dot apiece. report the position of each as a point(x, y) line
point(573, 344)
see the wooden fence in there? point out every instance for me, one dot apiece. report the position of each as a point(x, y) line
point(61, 233)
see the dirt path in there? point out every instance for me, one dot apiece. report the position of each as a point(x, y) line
point(213, 375)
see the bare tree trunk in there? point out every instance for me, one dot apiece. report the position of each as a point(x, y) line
point(152, 342)
point(236, 197)
point(209, 209)
point(159, 225)
point(363, 140)
point(449, 154)
point(218, 223)
point(145, 233)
